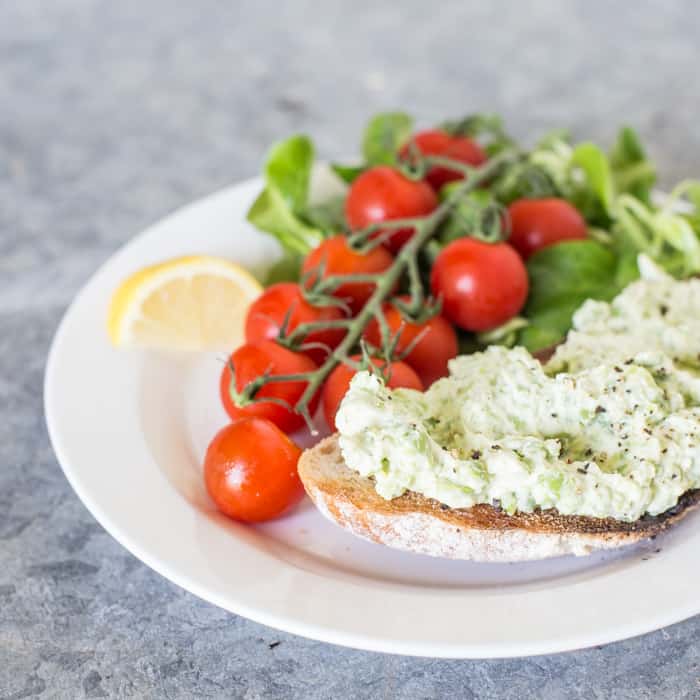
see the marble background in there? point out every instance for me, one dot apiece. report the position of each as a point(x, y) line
point(114, 113)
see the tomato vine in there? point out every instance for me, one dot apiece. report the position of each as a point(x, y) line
point(405, 263)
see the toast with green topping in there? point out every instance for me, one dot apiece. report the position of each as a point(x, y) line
point(483, 532)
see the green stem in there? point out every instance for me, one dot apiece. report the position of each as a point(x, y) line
point(417, 296)
point(335, 281)
point(304, 329)
point(425, 228)
point(633, 173)
point(451, 164)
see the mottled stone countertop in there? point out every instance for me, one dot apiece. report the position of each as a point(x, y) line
point(114, 113)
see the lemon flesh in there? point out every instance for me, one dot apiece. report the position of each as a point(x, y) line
point(189, 303)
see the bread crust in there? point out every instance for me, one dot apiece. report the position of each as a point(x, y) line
point(483, 532)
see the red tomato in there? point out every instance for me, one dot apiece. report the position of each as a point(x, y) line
point(482, 285)
point(399, 374)
point(538, 223)
point(430, 142)
point(381, 194)
point(251, 361)
point(268, 312)
point(429, 356)
point(250, 471)
point(434, 142)
point(340, 259)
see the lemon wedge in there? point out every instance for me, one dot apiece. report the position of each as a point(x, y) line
point(196, 302)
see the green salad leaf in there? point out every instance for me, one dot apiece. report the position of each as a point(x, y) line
point(281, 208)
point(627, 269)
point(348, 173)
point(506, 334)
point(536, 175)
point(384, 136)
point(477, 214)
point(666, 236)
point(613, 192)
point(286, 269)
point(691, 188)
point(554, 136)
point(328, 216)
point(571, 269)
point(595, 167)
point(590, 179)
point(631, 171)
point(523, 180)
point(562, 277)
point(487, 128)
point(271, 213)
point(288, 170)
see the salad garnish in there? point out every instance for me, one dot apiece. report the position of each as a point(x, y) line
point(577, 216)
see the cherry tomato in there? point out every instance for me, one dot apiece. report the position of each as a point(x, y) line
point(482, 285)
point(269, 311)
point(430, 142)
point(434, 142)
point(383, 193)
point(538, 223)
point(340, 259)
point(251, 361)
point(429, 356)
point(250, 471)
point(398, 374)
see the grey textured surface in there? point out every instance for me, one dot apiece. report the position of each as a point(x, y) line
point(113, 114)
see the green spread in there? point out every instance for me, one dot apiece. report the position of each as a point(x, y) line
point(610, 427)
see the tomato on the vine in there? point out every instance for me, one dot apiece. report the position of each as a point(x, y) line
point(482, 285)
point(382, 194)
point(398, 374)
point(250, 471)
point(338, 258)
point(429, 142)
point(434, 342)
point(434, 142)
point(285, 301)
point(253, 360)
point(538, 223)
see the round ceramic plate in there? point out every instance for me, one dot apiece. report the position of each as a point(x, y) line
point(130, 429)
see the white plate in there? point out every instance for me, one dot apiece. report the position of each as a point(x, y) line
point(130, 430)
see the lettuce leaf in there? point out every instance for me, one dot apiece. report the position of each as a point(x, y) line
point(280, 209)
point(562, 277)
point(384, 135)
point(632, 172)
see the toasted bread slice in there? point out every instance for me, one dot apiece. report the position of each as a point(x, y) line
point(415, 523)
